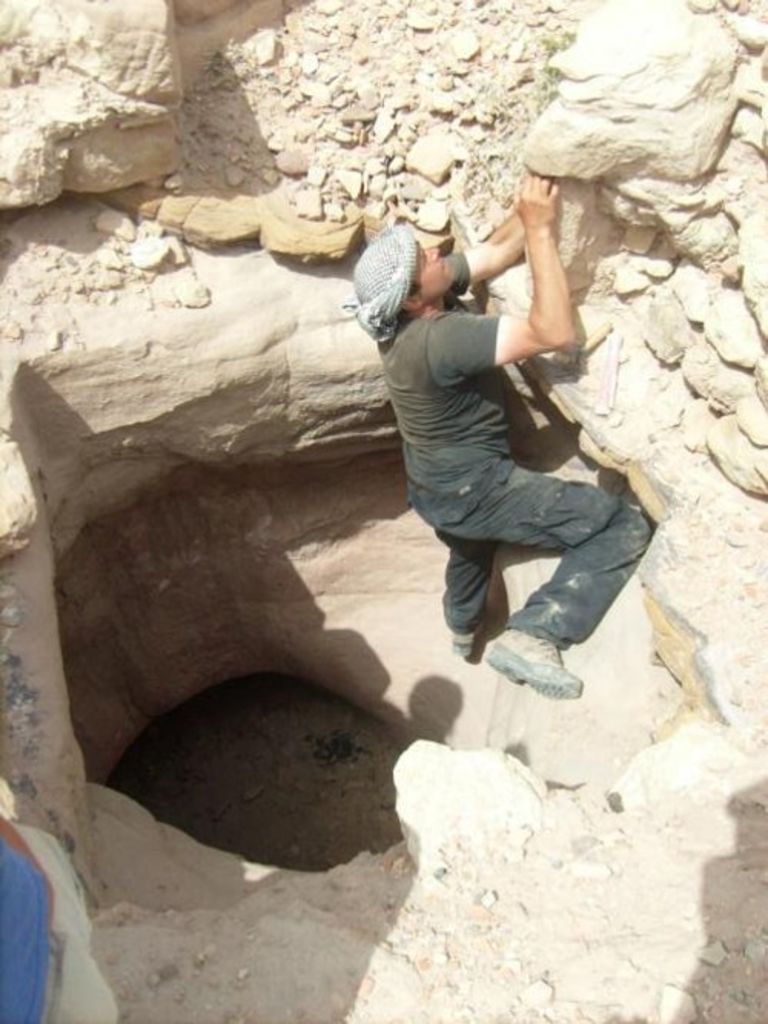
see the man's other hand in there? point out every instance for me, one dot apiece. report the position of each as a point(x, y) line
point(536, 202)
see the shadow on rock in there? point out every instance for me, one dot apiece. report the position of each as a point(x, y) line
point(731, 983)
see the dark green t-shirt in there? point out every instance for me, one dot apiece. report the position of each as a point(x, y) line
point(447, 394)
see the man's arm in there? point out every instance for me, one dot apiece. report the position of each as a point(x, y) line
point(549, 326)
point(502, 250)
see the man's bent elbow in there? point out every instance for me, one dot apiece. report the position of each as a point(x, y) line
point(555, 337)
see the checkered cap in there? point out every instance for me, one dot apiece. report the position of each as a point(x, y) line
point(383, 278)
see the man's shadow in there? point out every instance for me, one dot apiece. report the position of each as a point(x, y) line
point(730, 985)
point(731, 982)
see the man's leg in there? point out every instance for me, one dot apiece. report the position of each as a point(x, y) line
point(590, 576)
point(467, 577)
point(602, 538)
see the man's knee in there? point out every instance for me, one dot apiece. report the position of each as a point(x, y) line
point(584, 511)
point(633, 528)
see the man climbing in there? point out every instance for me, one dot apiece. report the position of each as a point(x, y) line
point(441, 368)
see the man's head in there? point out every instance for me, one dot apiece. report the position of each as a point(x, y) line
point(395, 275)
point(383, 280)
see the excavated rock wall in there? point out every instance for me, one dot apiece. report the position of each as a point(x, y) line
point(646, 121)
point(88, 97)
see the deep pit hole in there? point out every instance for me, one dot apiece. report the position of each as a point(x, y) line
point(270, 768)
point(301, 571)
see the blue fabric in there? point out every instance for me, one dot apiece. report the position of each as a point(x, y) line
point(24, 944)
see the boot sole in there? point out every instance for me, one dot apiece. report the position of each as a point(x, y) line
point(547, 680)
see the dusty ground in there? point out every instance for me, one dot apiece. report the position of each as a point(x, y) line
point(651, 916)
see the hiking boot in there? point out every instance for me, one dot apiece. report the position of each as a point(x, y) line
point(523, 658)
point(462, 644)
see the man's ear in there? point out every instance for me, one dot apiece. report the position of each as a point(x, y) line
point(413, 303)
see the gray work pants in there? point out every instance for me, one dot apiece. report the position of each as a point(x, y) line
point(601, 536)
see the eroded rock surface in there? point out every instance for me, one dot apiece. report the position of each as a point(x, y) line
point(654, 98)
point(87, 98)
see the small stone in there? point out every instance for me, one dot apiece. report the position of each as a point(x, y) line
point(442, 102)
point(423, 43)
point(316, 175)
point(377, 211)
point(698, 420)
point(112, 222)
point(149, 253)
point(749, 127)
point(714, 954)
point(12, 331)
point(243, 973)
point(655, 267)
point(414, 189)
point(351, 182)
point(702, 6)
point(629, 282)
point(537, 995)
point(265, 47)
point(752, 418)
point(676, 1006)
point(383, 126)
point(465, 44)
point(292, 162)
point(730, 271)
point(691, 286)
point(191, 293)
point(743, 463)
point(309, 64)
point(432, 157)
point(752, 32)
point(109, 258)
point(377, 186)
point(489, 899)
point(329, 7)
point(396, 165)
point(173, 182)
point(317, 91)
point(309, 204)
point(432, 216)
point(369, 97)
point(420, 21)
point(357, 114)
point(11, 616)
point(731, 330)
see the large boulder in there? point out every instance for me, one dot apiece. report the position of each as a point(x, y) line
point(741, 461)
point(86, 97)
point(467, 807)
point(698, 756)
point(646, 89)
